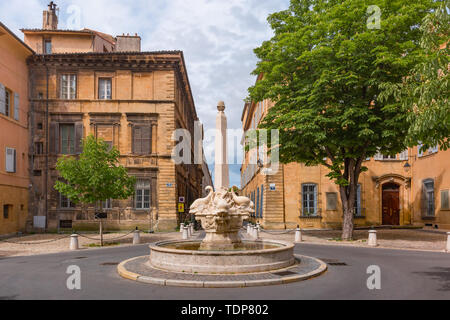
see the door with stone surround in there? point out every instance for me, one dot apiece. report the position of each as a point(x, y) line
point(391, 204)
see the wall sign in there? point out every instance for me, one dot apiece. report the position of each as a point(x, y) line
point(272, 187)
point(181, 207)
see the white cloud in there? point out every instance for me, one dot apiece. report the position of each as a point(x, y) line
point(217, 38)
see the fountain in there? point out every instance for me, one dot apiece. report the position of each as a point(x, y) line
point(221, 251)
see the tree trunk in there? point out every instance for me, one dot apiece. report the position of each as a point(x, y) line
point(347, 225)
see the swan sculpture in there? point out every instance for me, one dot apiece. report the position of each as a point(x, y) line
point(241, 201)
point(199, 204)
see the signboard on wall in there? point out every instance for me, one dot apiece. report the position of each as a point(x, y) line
point(272, 187)
point(181, 207)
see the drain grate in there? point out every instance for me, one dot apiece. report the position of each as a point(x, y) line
point(284, 273)
point(337, 263)
point(109, 264)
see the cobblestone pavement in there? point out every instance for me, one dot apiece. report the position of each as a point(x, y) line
point(387, 238)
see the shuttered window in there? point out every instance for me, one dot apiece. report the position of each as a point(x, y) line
point(10, 160)
point(67, 134)
point(2, 98)
point(309, 196)
point(142, 139)
point(428, 198)
point(7, 102)
point(16, 106)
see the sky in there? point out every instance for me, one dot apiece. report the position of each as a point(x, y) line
point(217, 38)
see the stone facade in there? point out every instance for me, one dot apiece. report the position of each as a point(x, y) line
point(409, 189)
point(148, 97)
point(14, 125)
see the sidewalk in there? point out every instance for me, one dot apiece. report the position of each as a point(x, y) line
point(386, 238)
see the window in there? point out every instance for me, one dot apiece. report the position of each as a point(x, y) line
point(38, 148)
point(67, 134)
point(142, 194)
point(107, 204)
point(309, 192)
point(40, 126)
point(68, 86)
point(257, 203)
point(104, 88)
point(358, 211)
point(404, 155)
point(142, 139)
point(445, 203)
point(7, 208)
point(331, 200)
point(434, 149)
point(428, 198)
point(37, 173)
point(10, 160)
point(47, 46)
point(388, 157)
point(65, 202)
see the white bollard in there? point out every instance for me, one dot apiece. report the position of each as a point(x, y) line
point(185, 234)
point(191, 225)
point(181, 227)
point(298, 235)
point(74, 242)
point(255, 232)
point(188, 231)
point(249, 230)
point(258, 226)
point(136, 237)
point(372, 238)
point(448, 242)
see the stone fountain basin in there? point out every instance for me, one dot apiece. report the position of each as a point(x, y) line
point(164, 256)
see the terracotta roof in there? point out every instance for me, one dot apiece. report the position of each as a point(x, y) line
point(105, 36)
point(16, 37)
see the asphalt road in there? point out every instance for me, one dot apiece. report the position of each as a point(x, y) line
point(404, 275)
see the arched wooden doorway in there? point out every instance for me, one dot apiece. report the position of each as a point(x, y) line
point(391, 204)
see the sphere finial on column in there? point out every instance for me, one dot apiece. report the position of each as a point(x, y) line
point(221, 106)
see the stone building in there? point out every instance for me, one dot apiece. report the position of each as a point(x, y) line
point(411, 188)
point(14, 125)
point(133, 100)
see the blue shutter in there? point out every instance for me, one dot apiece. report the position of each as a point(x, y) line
point(262, 202)
point(257, 202)
point(2, 99)
point(16, 106)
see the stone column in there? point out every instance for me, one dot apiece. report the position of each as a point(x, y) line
point(221, 178)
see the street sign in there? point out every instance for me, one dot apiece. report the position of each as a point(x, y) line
point(101, 215)
point(181, 207)
point(181, 199)
point(272, 187)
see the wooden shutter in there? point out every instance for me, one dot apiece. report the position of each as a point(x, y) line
point(153, 193)
point(2, 99)
point(146, 140)
point(78, 138)
point(53, 138)
point(16, 106)
point(136, 140)
point(424, 200)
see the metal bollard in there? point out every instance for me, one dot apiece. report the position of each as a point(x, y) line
point(74, 242)
point(185, 234)
point(181, 227)
point(136, 237)
point(448, 242)
point(298, 235)
point(372, 238)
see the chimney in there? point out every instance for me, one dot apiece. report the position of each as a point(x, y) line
point(50, 19)
point(127, 43)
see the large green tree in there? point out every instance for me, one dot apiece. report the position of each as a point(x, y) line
point(95, 176)
point(424, 92)
point(325, 68)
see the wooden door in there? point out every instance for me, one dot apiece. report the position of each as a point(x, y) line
point(391, 205)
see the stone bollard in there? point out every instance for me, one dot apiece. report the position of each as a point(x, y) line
point(189, 231)
point(185, 234)
point(448, 242)
point(258, 226)
point(181, 227)
point(298, 235)
point(255, 233)
point(372, 238)
point(249, 230)
point(74, 242)
point(136, 237)
point(191, 225)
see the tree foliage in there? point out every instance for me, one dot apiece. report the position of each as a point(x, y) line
point(424, 93)
point(95, 176)
point(325, 70)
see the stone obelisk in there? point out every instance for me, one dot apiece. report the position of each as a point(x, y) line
point(221, 178)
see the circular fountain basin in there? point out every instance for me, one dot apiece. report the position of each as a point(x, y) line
point(248, 257)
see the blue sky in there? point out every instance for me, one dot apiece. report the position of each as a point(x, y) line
point(216, 36)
